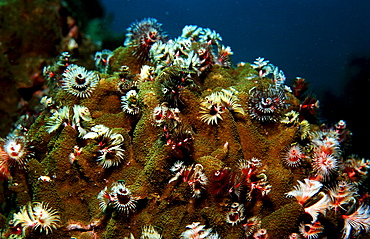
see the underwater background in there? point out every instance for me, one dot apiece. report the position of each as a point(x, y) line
point(172, 119)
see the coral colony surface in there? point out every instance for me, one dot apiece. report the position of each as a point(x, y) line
point(166, 139)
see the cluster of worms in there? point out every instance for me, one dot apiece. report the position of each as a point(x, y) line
point(335, 183)
point(247, 183)
point(175, 67)
point(197, 49)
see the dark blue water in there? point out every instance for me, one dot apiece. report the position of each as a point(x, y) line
point(314, 39)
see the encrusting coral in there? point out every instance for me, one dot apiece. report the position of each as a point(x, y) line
point(165, 139)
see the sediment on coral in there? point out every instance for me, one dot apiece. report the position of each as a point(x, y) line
point(165, 139)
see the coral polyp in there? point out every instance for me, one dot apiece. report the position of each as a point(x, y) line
point(111, 151)
point(118, 197)
point(147, 73)
point(223, 57)
point(261, 234)
point(267, 105)
point(261, 65)
point(293, 156)
point(196, 230)
point(162, 113)
point(305, 190)
point(211, 109)
point(311, 231)
point(79, 119)
point(343, 196)
point(121, 198)
point(300, 86)
point(325, 142)
point(230, 101)
point(320, 207)
point(59, 118)
point(79, 82)
point(193, 175)
point(324, 165)
point(141, 35)
point(356, 169)
point(236, 214)
point(216, 103)
point(37, 216)
point(252, 225)
point(177, 136)
point(356, 222)
point(102, 60)
point(130, 103)
point(149, 232)
point(173, 81)
point(14, 151)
